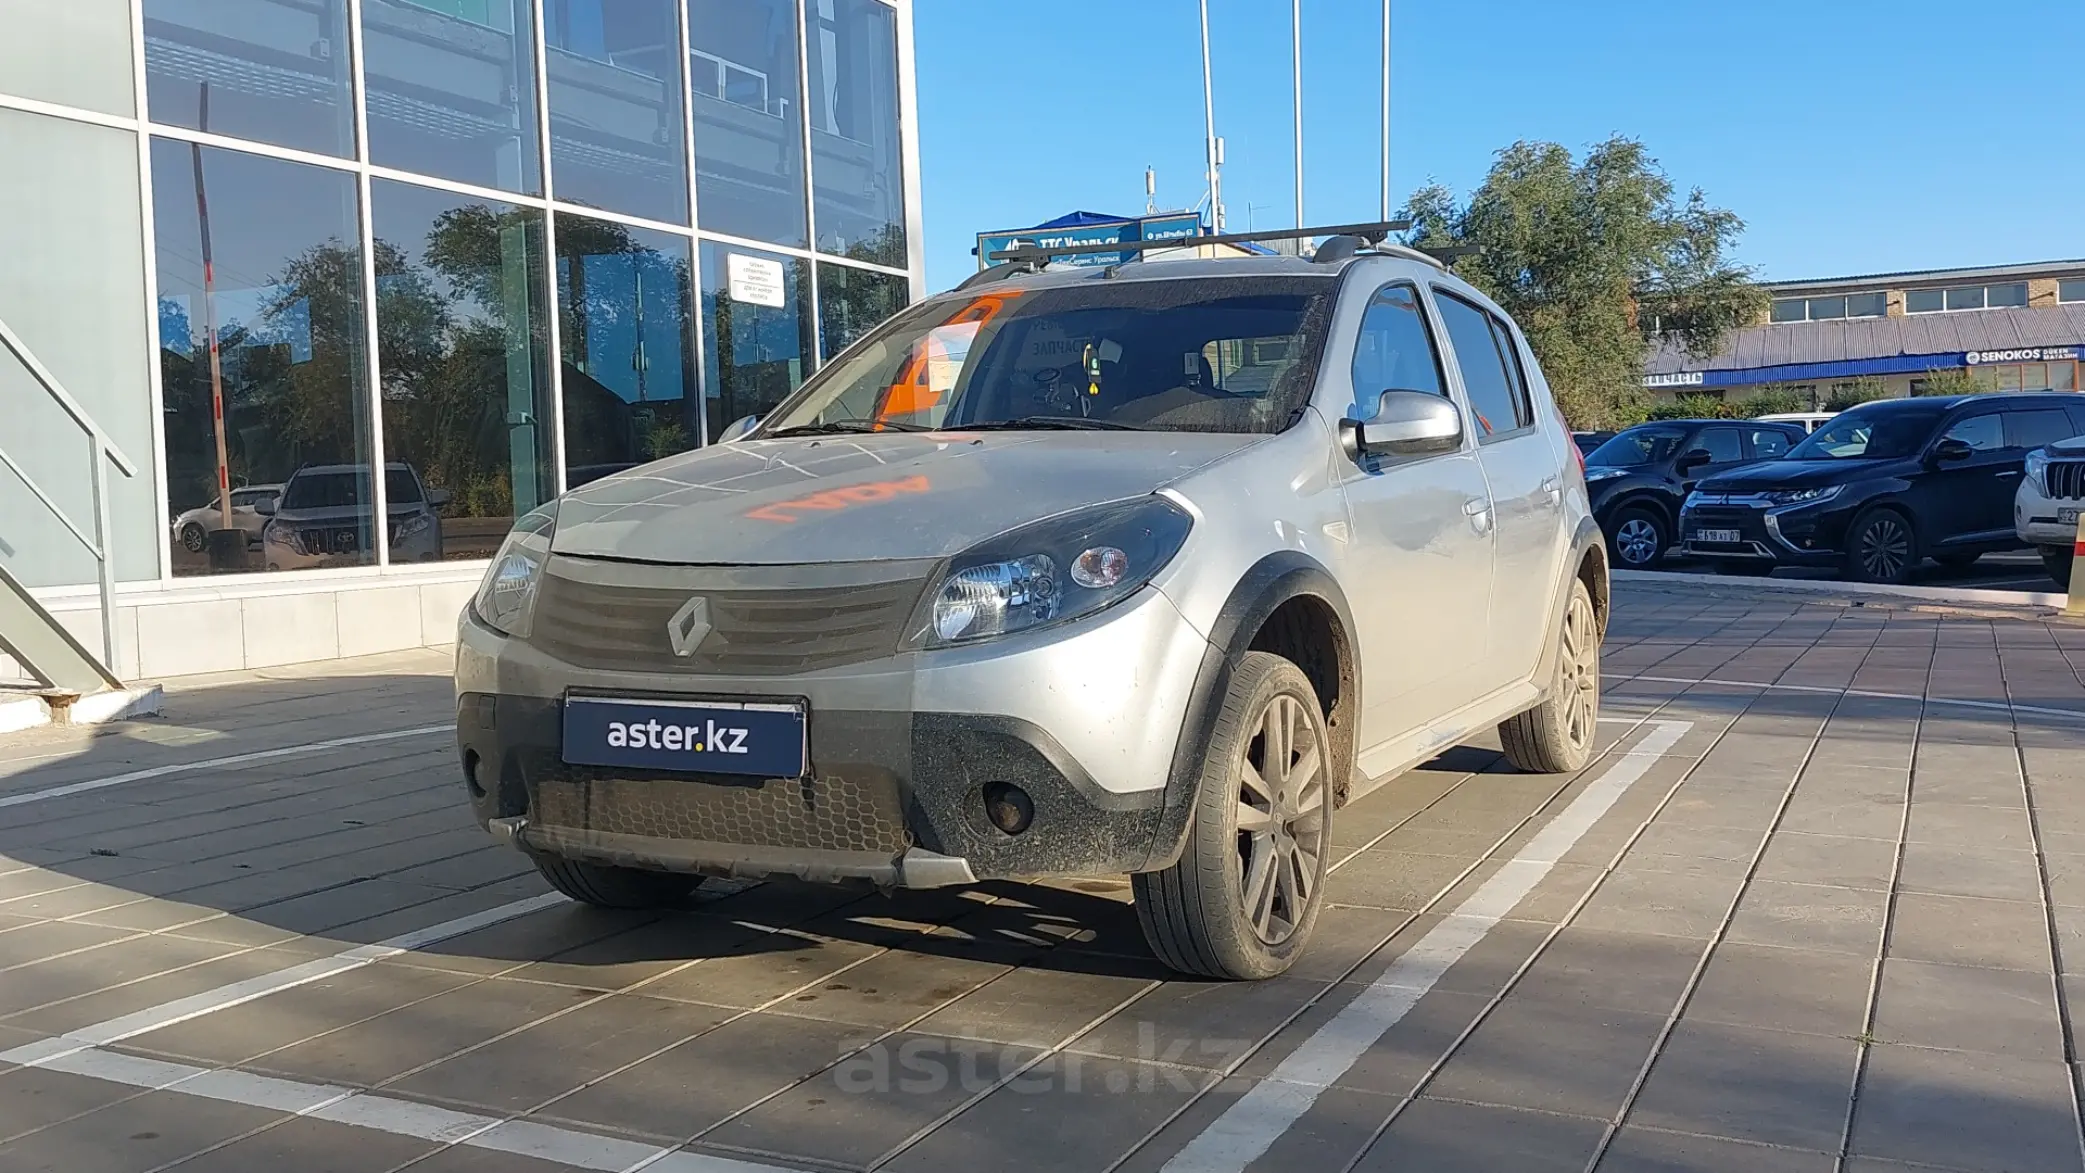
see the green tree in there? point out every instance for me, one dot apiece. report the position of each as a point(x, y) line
point(1857, 392)
point(1597, 260)
point(1950, 381)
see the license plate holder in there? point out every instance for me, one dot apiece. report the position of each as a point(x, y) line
point(753, 738)
point(2066, 517)
point(1723, 536)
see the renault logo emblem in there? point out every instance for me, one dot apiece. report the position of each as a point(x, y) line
point(689, 626)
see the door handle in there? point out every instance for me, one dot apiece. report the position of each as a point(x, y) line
point(2011, 472)
point(1478, 509)
point(1553, 489)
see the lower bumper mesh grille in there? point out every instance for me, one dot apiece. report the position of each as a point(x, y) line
point(849, 810)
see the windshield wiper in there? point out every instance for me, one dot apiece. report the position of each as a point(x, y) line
point(849, 427)
point(1041, 423)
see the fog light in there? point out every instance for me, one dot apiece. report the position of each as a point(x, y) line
point(1009, 807)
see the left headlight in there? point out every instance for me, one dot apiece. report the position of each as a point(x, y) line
point(1056, 569)
point(2038, 470)
point(1803, 496)
point(507, 598)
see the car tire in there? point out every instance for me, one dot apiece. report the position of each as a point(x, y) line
point(1639, 538)
point(1749, 568)
point(612, 887)
point(1957, 561)
point(1558, 735)
point(2057, 561)
point(193, 539)
point(1195, 914)
point(1881, 546)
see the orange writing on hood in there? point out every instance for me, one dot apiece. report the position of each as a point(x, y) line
point(842, 498)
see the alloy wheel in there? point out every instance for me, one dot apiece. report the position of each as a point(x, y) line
point(1885, 548)
point(1637, 541)
point(1580, 669)
point(1281, 819)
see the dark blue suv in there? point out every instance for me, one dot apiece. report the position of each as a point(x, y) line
point(1637, 479)
point(1881, 487)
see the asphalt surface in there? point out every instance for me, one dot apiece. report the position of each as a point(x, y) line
point(1816, 906)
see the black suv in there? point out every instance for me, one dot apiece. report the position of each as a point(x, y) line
point(1638, 479)
point(1881, 487)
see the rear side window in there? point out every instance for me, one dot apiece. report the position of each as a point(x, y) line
point(1768, 443)
point(1395, 350)
point(1722, 444)
point(2036, 427)
point(1982, 432)
point(1523, 404)
point(1494, 399)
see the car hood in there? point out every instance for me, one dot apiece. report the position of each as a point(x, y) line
point(1792, 474)
point(866, 498)
point(342, 514)
point(2072, 448)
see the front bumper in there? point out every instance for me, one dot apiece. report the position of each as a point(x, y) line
point(1808, 534)
point(1082, 719)
point(2037, 517)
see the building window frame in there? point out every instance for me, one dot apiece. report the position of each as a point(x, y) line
point(147, 131)
point(1878, 299)
point(1949, 294)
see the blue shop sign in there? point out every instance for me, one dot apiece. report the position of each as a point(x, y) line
point(1170, 227)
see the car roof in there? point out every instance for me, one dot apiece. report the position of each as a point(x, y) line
point(394, 466)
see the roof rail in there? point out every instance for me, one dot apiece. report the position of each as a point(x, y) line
point(1038, 254)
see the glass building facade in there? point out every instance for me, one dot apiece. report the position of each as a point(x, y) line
point(495, 248)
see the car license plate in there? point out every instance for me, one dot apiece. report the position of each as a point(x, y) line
point(1716, 535)
point(763, 739)
point(2066, 517)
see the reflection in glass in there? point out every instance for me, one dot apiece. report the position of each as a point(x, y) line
point(452, 90)
point(462, 348)
point(858, 177)
point(852, 302)
point(628, 346)
point(287, 301)
point(749, 130)
point(274, 70)
point(757, 335)
point(616, 138)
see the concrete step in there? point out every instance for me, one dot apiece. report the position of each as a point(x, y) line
point(36, 708)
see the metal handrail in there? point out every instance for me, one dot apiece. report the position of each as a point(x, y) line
point(101, 448)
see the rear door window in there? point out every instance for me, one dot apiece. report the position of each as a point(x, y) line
point(1769, 443)
point(2036, 427)
point(1724, 445)
point(1485, 378)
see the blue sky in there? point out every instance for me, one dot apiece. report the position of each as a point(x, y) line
point(1852, 136)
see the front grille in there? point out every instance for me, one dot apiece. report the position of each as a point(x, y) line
point(858, 810)
point(343, 539)
point(2065, 479)
point(764, 620)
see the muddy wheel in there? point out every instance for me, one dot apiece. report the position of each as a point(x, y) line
point(1242, 900)
point(612, 887)
point(1557, 735)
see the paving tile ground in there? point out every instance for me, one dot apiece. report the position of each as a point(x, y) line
point(1836, 922)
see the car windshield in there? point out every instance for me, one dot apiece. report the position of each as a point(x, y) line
point(1884, 434)
point(1218, 354)
point(1638, 446)
point(346, 489)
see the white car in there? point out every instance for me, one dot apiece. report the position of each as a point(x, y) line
point(192, 528)
point(2048, 501)
point(1810, 420)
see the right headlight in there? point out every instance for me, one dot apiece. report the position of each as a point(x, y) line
point(1692, 500)
point(1053, 570)
point(507, 598)
point(2038, 470)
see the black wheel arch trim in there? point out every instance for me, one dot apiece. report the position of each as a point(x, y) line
point(1260, 591)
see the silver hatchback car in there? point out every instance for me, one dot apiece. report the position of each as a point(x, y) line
point(1147, 569)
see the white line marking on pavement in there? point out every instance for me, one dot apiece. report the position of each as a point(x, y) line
point(244, 759)
point(521, 1138)
point(1248, 1128)
point(46, 1051)
point(1990, 706)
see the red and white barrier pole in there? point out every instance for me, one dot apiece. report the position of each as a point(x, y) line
point(2074, 603)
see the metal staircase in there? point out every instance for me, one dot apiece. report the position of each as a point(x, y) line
point(77, 685)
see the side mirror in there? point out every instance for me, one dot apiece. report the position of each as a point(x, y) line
point(1693, 459)
point(737, 428)
point(436, 498)
point(1952, 449)
point(1406, 423)
point(265, 506)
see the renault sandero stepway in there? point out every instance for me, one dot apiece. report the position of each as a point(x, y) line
point(1144, 569)
point(1882, 487)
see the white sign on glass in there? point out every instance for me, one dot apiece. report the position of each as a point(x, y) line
point(756, 280)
